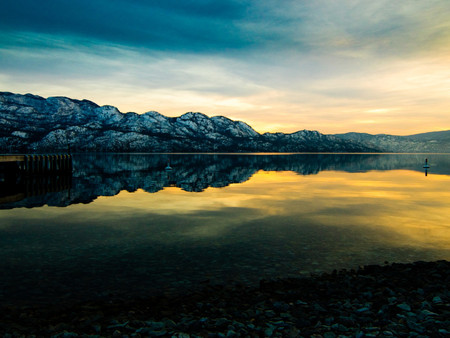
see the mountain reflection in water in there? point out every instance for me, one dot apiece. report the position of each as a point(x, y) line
point(131, 228)
point(97, 175)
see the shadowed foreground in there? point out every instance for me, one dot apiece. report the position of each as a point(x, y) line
point(393, 300)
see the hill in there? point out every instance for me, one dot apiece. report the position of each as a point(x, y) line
point(30, 123)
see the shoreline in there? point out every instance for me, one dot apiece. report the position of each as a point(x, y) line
point(401, 300)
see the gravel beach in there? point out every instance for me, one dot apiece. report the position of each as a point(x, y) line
point(394, 300)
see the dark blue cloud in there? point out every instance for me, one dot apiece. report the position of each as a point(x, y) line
point(198, 26)
point(162, 25)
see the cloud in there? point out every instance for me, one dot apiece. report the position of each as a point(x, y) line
point(156, 25)
point(361, 29)
point(221, 27)
point(194, 26)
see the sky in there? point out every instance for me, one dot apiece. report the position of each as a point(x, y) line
point(285, 65)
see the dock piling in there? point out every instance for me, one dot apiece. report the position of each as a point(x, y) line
point(37, 164)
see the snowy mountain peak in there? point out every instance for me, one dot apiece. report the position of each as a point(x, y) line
point(30, 123)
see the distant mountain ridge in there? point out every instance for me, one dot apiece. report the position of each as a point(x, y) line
point(30, 123)
point(432, 142)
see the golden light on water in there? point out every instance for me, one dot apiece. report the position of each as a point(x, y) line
point(402, 207)
point(398, 208)
point(272, 224)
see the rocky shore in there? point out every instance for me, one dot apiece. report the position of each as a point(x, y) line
point(396, 300)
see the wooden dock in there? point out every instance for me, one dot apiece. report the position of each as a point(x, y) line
point(37, 164)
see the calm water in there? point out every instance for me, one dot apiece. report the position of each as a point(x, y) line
point(124, 226)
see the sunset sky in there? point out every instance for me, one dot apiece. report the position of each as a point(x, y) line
point(285, 65)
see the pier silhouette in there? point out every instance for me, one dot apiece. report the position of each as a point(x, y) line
point(23, 176)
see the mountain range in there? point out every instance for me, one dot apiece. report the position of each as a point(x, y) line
point(30, 123)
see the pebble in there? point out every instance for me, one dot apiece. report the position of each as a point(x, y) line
point(428, 313)
point(404, 307)
point(344, 304)
point(437, 300)
point(232, 333)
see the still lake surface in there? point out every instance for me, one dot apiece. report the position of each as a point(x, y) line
point(124, 226)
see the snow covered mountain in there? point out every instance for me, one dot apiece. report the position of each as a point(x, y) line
point(30, 123)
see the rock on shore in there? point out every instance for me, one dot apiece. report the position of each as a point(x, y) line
point(398, 300)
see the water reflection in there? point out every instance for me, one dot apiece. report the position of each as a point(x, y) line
point(16, 188)
point(256, 217)
point(106, 175)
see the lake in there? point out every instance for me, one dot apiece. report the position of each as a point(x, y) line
point(124, 226)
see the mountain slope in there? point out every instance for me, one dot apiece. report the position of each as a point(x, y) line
point(30, 123)
point(433, 142)
point(443, 136)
